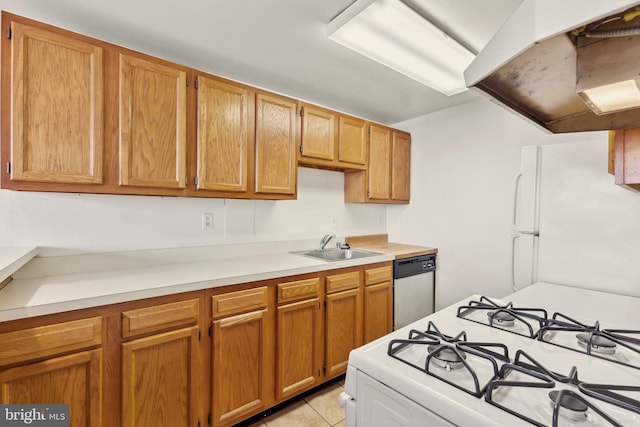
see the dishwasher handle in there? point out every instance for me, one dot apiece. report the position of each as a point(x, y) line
point(415, 265)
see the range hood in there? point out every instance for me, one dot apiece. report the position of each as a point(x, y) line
point(549, 50)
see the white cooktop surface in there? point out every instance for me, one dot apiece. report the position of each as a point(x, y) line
point(464, 409)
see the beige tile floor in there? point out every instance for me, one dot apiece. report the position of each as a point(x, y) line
point(320, 409)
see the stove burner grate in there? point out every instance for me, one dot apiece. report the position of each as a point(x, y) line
point(518, 320)
point(451, 353)
point(564, 403)
point(614, 345)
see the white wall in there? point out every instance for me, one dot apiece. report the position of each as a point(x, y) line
point(464, 160)
point(102, 223)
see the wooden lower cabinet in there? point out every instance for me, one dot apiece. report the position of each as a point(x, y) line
point(148, 363)
point(378, 302)
point(159, 379)
point(343, 329)
point(74, 379)
point(242, 356)
point(299, 349)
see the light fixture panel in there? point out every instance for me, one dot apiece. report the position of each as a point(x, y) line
point(613, 97)
point(393, 34)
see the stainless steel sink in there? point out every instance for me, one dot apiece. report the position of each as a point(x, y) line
point(336, 254)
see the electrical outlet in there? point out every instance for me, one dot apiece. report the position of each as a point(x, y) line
point(207, 221)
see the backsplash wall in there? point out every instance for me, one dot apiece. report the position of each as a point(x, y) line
point(69, 223)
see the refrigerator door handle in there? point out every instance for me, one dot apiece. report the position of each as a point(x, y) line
point(513, 261)
point(516, 187)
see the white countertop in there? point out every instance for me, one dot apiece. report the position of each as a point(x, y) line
point(59, 286)
point(13, 258)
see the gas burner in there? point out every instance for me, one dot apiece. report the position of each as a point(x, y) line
point(446, 357)
point(599, 343)
point(502, 318)
point(570, 406)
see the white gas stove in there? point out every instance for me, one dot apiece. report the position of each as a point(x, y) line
point(545, 352)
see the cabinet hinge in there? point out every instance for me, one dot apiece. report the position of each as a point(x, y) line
point(186, 180)
point(199, 424)
point(369, 130)
point(301, 111)
point(199, 335)
point(195, 83)
point(195, 181)
point(210, 331)
point(9, 33)
point(324, 369)
point(300, 148)
point(8, 167)
point(210, 419)
point(187, 81)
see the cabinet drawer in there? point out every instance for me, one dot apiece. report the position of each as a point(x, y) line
point(300, 289)
point(156, 318)
point(45, 341)
point(238, 302)
point(377, 275)
point(342, 282)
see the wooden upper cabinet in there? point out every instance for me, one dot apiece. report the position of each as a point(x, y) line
point(153, 100)
point(222, 135)
point(318, 133)
point(387, 178)
point(330, 140)
point(379, 178)
point(276, 166)
point(400, 166)
point(352, 140)
point(624, 157)
point(56, 106)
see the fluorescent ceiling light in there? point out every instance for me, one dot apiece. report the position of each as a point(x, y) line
point(393, 34)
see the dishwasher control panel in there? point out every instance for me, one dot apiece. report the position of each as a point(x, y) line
point(415, 265)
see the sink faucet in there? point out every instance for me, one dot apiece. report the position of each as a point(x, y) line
point(325, 240)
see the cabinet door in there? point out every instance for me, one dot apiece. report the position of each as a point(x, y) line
point(299, 347)
point(379, 163)
point(222, 136)
point(318, 133)
point(352, 140)
point(57, 105)
point(75, 380)
point(242, 363)
point(159, 379)
point(276, 164)
point(378, 311)
point(343, 329)
point(153, 100)
point(401, 166)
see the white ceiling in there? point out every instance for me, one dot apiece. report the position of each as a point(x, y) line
point(280, 45)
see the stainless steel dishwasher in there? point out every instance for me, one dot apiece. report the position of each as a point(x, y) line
point(413, 289)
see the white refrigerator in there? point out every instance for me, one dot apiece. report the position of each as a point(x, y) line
point(572, 225)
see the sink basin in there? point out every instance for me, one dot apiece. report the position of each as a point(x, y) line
point(336, 254)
